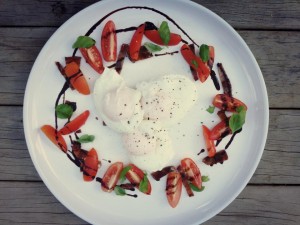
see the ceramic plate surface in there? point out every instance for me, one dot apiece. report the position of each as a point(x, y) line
point(226, 181)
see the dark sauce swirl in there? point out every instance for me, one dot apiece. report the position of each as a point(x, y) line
point(88, 33)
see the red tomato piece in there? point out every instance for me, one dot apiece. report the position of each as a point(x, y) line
point(75, 124)
point(109, 42)
point(227, 103)
point(136, 42)
point(210, 145)
point(219, 131)
point(211, 52)
point(90, 165)
point(111, 177)
point(192, 172)
point(93, 58)
point(153, 35)
point(55, 137)
point(174, 188)
point(195, 62)
point(135, 175)
point(185, 182)
point(211, 59)
point(77, 79)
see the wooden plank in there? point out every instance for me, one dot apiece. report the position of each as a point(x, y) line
point(277, 53)
point(268, 14)
point(280, 163)
point(32, 203)
point(262, 205)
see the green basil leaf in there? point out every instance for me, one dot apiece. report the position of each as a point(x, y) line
point(86, 138)
point(164, 32)
point(194, 62)
point(152, 47)
point(237, 119)
point(205, 178)
point(123, 173)
point(64, 111)
point(204, 52)
point(84, 42)
point(143, 187)
point(119, 191)
point(194, 188)
point(210, 109)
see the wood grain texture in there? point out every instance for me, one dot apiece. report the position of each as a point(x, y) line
point(277, 52)
point(245, 14)
point(32, 203)
point(280, 163)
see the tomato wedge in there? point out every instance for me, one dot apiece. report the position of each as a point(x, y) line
point(227, 103)
point(195, 62)
point(90, 165)
point(185, 181)
point(174, 188)
point(153, 35)
point(93, 58)
point(211, 60)
point(109, 42)
point(111, 177)
point(75, 124)
point(136, 42)
point(220, 131)
point(76, 78)
point(192, 172)
point(55, 137)
point(209, 143)
point(135, 175)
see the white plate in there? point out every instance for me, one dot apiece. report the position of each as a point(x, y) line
point(226, 181)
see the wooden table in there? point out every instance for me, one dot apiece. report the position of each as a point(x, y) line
point(270, 28)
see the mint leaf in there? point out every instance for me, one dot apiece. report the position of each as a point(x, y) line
point(205, 178)
point(86, 138)
point(194, 188)
point(204, 52)
point(143, 187)
point(119, 191)
point(123, 173)
point(164, 32)
point(152, 47)
point(64, 111)
point(210, 109)
point(84, 42)
point(237, 119)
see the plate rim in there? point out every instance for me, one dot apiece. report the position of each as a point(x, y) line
point(26, 109)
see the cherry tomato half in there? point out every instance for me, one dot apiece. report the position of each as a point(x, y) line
point(55, 137)
point(153, 35)
point(90, 165)
point(220, 130)
point(75, 124)
point(174, 188)
point(135, 176)
point(227, 103)
point(111, 177)
point(109, 42)
point(195, 62)
point(93, 58)
point(77, 79)
point(210, 145)
point(192, 172)
point(135, 43)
